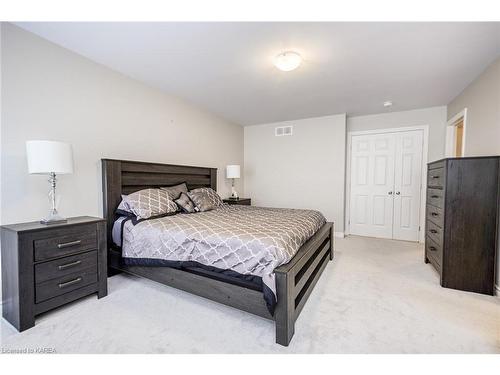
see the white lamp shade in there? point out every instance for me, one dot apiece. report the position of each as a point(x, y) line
point(49, 156)
point(233, 171)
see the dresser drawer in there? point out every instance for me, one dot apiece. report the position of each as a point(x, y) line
point(71, 240)
point(435, 197)
point(436, 215)
point(434, 232)
point(65, 266)
point(433, 251)
point(56, 287)
point(435, 177)
point(436, 164)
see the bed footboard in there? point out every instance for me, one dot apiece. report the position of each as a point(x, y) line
point(296, 280)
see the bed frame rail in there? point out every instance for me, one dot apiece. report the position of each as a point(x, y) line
point(296, 280)
point(238, 297)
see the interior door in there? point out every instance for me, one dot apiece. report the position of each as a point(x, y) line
point(372, 184)
point(407, 185)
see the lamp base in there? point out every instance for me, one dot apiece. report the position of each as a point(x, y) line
point(53, 218)
point(234, 193)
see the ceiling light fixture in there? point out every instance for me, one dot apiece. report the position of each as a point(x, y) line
point(387, 103)
point(287, 61)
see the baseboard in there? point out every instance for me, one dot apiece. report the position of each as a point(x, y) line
point(339, 234)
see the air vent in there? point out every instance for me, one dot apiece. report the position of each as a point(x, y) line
point(283, 130)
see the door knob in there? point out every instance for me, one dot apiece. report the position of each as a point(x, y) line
point(397, 192)
point(390, 193)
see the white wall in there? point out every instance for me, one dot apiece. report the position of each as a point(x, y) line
point(482, 100)
point(305, 170)
point(434, 117)
point(51, 93)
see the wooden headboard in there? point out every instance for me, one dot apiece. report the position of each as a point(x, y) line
point(126, 176)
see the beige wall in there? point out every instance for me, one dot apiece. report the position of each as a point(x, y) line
point(305, 170)
point(482, 100)
point(51, 93)
point(434, 117)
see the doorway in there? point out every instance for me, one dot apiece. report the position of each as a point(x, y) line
point(455, 135)
point(385, 183)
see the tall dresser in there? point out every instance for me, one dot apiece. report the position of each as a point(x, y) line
point(462, 220)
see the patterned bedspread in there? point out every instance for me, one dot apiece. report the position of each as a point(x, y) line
point(245, 239)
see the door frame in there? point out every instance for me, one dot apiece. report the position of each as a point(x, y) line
point(451, 133)
point(423, 196)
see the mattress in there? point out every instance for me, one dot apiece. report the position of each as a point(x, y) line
point(246, 240)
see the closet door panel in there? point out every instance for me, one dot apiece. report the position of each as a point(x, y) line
point(372, 181)
point(407, 185)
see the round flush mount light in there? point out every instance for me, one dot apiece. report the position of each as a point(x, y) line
point(387, 103)
point(287, 61)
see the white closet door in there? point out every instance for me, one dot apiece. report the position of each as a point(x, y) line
point(407, 185)
point(372, 183)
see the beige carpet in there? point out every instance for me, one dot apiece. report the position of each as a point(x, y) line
point(377, 296)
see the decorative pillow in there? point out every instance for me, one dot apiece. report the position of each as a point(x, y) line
point(175, 190)
point(150, 202)
point(205, 199)
point(123, 208)
point(186, 204)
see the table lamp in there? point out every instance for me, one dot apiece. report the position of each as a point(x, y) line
point(50, 157)
point(232, 172)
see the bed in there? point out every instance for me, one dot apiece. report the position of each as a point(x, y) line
point(291, 283)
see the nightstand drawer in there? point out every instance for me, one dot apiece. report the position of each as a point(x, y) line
point(65, 284)
point(71, 240)
point(65, 266)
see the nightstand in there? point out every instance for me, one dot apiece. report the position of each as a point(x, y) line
point(47, 266)
point(240, 201)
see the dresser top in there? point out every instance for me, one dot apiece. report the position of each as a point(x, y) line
point(466, 158)
point(34, 226)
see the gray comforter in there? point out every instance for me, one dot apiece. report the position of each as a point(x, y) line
point(248, 240)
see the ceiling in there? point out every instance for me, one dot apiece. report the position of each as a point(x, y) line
point(227, 68)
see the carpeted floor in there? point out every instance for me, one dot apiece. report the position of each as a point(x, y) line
point(377, 296)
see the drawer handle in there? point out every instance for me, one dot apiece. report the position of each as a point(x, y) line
point(432, 248)
point(69, 283)
point(433, 231)
point(434, 214)
point(69, 265)
point(435, 176)
point(68, 244)
point(434, 196)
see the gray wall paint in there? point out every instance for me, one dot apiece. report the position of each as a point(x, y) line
point(482, 100)
point(305, 170)
point(434, 117)
point(49, 92)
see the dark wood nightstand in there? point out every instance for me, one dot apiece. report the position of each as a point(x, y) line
point(240, 201)
point(46, 266)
